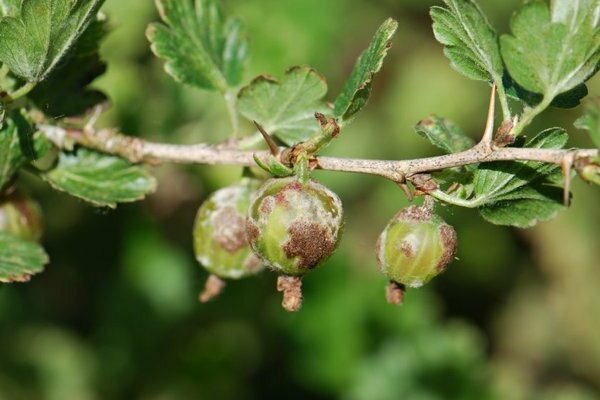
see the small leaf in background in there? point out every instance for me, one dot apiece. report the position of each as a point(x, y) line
point(200, 46)
point(357, 90)
point(18, 146)
point(444, 134)
point(65, 92)
point(551, 51)
point(100, 179)
point(470, 43)
point(521, 193)
point(32, 43)
point(19, 258)
point(286, 109)
point(590, 120)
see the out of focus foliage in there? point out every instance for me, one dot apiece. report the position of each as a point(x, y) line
point(115, 314)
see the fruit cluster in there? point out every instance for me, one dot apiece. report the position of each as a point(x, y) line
point(292, 225)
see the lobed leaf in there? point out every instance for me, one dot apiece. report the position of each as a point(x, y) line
point(357, 89)
point(19, 258)
point(470, 43)
point(100, 179)
point(553, 50)
point(65, 92)
point(286, 109)
point(521, 193)
point(444, 134)
point(590, 120)
point(201, 48)
point(33, 42)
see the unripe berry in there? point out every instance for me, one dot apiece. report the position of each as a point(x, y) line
point(220, 241)
point(21, 216)
point(415, 246)
point(294, 227)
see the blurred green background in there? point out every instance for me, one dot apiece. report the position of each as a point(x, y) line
point(115, 314)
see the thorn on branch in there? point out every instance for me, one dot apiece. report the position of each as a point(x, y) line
point(487, 139)
point(273, 147)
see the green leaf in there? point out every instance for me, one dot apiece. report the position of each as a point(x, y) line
point(470, 43)
point(357, 90)
point(527, 209)
point(286, 109)
point(10, 8)
point(521, 193)
point(100, 179)
point(200, 46)
point(65, 92)
point(18, 146)
point(19, 258)
point(590, 120)
point(551, 51)
point(33, 43)
point(444, 134)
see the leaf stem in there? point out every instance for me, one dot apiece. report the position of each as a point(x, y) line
point(231, 101)
point(20, 92)
point(506, 112)
point(530, 113)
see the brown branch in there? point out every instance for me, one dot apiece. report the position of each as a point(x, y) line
point(138, 150)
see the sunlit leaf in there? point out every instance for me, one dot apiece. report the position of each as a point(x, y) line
point(553, 50)
point(200, 46)
point(470, 43)
point(286, 109)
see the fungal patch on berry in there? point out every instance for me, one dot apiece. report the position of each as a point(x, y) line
point(229, 230)
point(310, 242)
point(293, 227)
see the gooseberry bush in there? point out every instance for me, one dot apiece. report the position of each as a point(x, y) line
point(278, 216)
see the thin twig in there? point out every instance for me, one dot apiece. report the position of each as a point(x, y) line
point(138, 150)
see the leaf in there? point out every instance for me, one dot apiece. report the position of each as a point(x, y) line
point(551, 51)
point(100, 179)
point(521, 193)
point(65, 92)
point(200, 47)
point(19, 258)
point(286, 109)
point(357, 89)
point(33, 43)
point(527, 210)
point(10, 8)
point(18, 146)
point(569, 99)
point(470, 43)
point(590, 120)
point(444, 134)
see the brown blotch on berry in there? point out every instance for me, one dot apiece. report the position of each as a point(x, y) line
point(311, 242)
point(406, 249)
point(252, 231)
point(229, 230)
point(414, 213)
point(448, 235)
